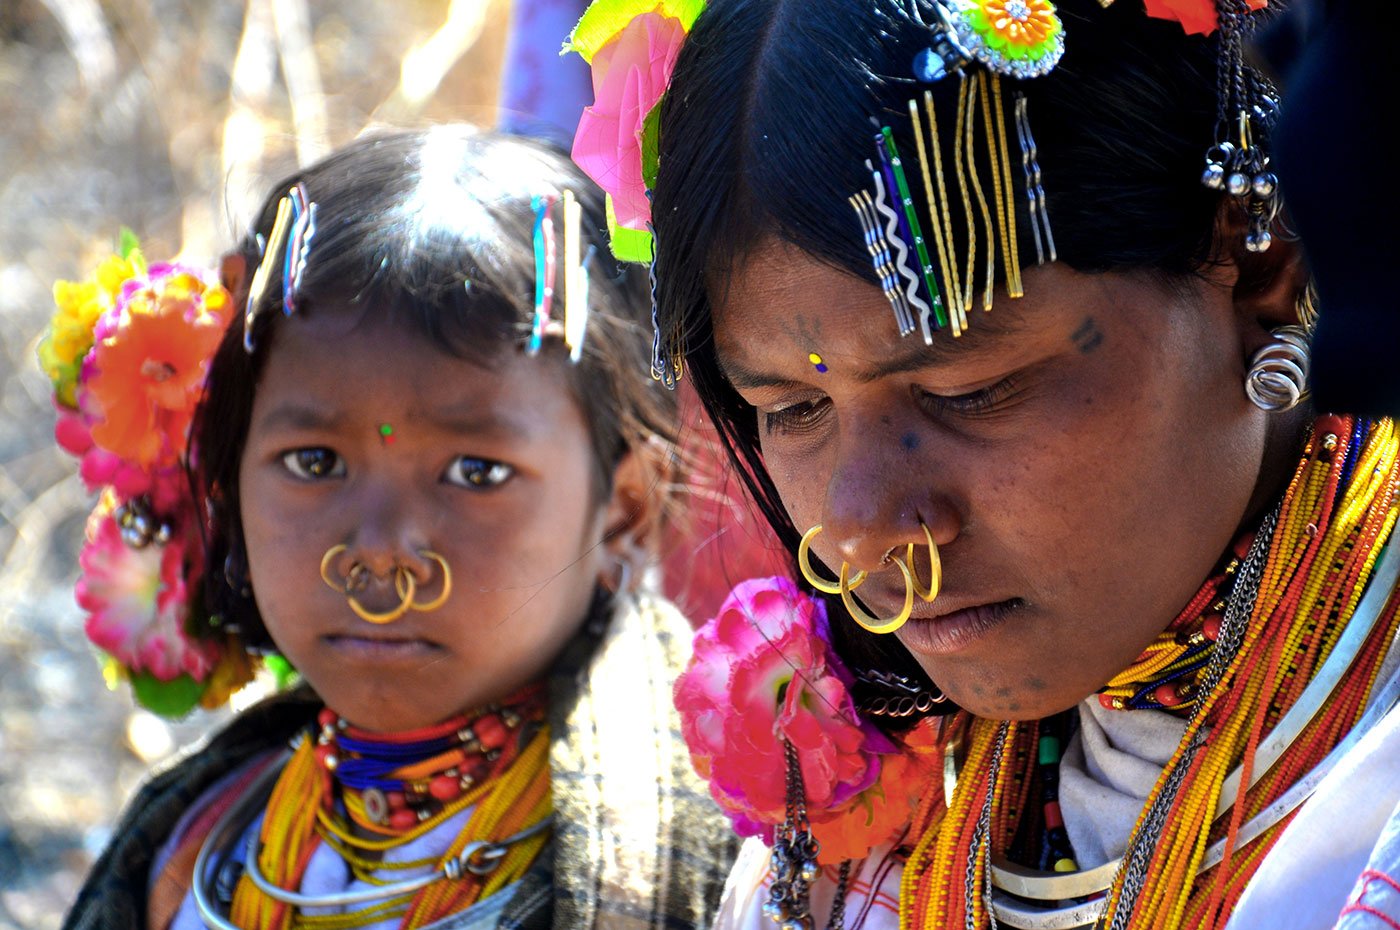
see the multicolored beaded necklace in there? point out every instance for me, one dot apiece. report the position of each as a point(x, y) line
point(1307, 577)
point(363, 794)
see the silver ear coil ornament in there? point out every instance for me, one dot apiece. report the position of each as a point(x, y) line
point(1278, 374)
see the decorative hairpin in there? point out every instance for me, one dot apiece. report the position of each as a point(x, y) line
point(1236, 163)
point(295, 221)
point(893, 169)
point(546, 322)
point(543, 238)
point(1008, 38)
point(878, 246)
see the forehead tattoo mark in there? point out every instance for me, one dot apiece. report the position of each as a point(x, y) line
point(909, 441)
point(1088, 336)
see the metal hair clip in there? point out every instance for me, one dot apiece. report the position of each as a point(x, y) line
point(879, 248)
point(298, 247)
point(1035, 193)
point(945, 53)
point(293, 228)
point(258, 287)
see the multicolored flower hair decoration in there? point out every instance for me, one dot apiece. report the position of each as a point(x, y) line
point(128, 352)
point(763, 674)
point(632, 47)
point(1018, 38)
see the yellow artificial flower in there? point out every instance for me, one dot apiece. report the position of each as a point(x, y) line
point(80, 304)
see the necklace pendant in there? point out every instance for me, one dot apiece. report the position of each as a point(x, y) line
point(376, 805)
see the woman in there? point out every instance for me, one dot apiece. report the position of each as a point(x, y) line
point(1153, 553)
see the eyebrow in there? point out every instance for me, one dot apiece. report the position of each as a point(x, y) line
point(294, 416)
point(975, 340)
point(465, 419)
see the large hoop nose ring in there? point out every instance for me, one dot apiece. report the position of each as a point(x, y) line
point(935, 567)
point(804, 565)
point(874, 624)
point(403, 578)
point(404, 585)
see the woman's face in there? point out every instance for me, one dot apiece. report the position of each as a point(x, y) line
point(366, 436)
point(1082, 456)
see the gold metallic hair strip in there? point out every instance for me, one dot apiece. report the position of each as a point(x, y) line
point(998, 237)
point(961, 133)
point(937, 199)
point(1011, 240)
point(974, 87)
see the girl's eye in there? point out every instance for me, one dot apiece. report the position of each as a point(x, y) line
point(976, 403)
point(796, 418)
point(468, 472)
point(314, 464)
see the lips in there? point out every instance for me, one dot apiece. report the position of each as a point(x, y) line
point(948, 632)
point(379, 647)
point(947, 625)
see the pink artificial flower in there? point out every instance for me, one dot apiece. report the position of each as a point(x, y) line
point(763, 672)
point(1197, 17)
point(630, 74)
point(137, 600)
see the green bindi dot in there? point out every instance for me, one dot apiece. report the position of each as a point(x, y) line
point(386, 433)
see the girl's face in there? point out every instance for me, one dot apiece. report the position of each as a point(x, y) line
point(492, 468)
point(1082, 456)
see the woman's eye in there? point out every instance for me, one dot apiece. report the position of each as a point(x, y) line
point(795, 418)
point(468, 472)
point(975, 403)
point(313, 464)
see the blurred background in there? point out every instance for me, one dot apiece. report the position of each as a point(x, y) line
point(170, 117)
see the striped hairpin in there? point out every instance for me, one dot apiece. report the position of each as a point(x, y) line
point(878, 246)
point(296, 216)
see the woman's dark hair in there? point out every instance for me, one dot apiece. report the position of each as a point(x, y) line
point(769, 120)
point(433, 227)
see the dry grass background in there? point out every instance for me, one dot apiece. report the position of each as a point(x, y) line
point(170, 117)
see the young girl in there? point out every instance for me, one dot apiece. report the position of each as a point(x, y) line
point(427, 463)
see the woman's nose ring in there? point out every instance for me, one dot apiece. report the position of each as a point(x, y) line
point(846, 584)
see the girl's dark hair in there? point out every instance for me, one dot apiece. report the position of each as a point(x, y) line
point(770, 118)
point(433, 227)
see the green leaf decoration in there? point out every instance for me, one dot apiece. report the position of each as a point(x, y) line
point(282, 671)
point(604, 19)
point(172, 699)
point(651, 145)
point(628, 245)
point(127, 243)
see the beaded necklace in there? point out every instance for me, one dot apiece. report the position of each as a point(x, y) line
point(364, 794)
point(1283, 624)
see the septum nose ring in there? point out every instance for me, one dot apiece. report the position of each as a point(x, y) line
point(405, 586)
point(846, 583)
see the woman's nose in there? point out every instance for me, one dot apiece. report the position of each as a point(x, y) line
point(879, 499)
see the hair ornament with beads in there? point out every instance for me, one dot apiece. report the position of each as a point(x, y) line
point(128, 353)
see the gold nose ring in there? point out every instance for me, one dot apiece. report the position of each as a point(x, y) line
point(404, 586)
point(846, 584)
point(935, 567)
point(875, 624)
point(804, 564)
point(403, 578)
